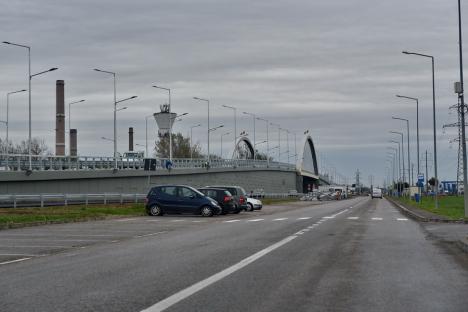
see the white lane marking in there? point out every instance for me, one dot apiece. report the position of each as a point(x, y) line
point(304, 218)
point(151, 234)
point(229, 221)
point(280, 219)
point(125, 220)
point(21, 255)
point(198, 221)
point(13, 261)
point(187, 292)
point(255, 220)
point(330, 217)
point(178, 220)
point(353, 218)
point(152, 220)
point(351, 207)
point(36, 246)
point(402, 219)
point(377, 219)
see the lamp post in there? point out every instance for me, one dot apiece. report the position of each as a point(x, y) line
point(115, 113)
point(267, 142)
point(115, 124)
point(417, 125)
point(235, 124)
point(170, 125)
point(279, 139)
point(254, 117)
point(146, 131)
point(436, 201)
point(191, 148)
point(287, 142)
point(408, 139)
point(8, 121)
point(208, 125)
point(402, 152)
point(227, 133)
point(399, 161)
point(29, 89)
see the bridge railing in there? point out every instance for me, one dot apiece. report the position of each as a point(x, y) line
point(20, 162)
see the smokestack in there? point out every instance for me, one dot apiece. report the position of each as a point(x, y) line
point(73, 142)
point(60, 119)
point(130, 139)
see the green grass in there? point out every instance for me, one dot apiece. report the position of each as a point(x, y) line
point(16, 216)
point(449, 206)
point(272, 201)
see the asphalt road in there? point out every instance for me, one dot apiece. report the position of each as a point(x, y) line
point(353, 255)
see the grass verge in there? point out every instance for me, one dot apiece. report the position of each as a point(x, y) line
point(13, 217)
point(449, 206)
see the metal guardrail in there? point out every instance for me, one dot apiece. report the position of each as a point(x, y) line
point(43, 200)
point(14, 162)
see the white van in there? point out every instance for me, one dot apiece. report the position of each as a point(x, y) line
point(376, 192)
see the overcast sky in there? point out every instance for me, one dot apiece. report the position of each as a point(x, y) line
point(332, 67)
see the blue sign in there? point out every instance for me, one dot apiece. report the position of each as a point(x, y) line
point(421, 178)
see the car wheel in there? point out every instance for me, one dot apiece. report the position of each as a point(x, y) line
point(206, 211)
point(251, 207)
point(155, 210)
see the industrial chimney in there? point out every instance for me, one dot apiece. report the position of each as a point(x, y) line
point(73, 142)
point(60, 119)
point(130, 139)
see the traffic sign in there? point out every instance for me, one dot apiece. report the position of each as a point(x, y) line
point(421, 178)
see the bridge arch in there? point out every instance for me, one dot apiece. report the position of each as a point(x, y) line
point(244, 149)
point(308, 167)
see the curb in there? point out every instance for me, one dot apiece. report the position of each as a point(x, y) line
point(408, 212)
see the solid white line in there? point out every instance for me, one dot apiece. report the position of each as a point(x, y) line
point(377, 219)
point(198, 221)
point(229, 221)
point(187, 292)
point(24, 255)
point(178, 220)
point(304, 218)
point(125, 220)
point(13, 261)
point(280, 219)
point(353, 218)
point(402, 219)
point(38, 246)
point(255, 220)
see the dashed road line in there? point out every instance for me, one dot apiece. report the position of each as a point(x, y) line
point(125, 220)
point(353, 218)
point(150, 234)
point(377, 219)
point(304, 218)
point(230, 221)
point(255, 220)
point(280, 219)
point(16, 260)
point(402, 219)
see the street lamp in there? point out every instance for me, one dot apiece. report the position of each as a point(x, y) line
point(227, 133)
point(146, 131)
point(69, 119)
point(279, 139)
point(208, 124)
point(399, 161)
point(191, 148)
point(30, 78)
point(436, 201)
point(170, 125)
point(407, 135)
point(254, 117)
point(8, 121)
point(115, 113)
point(417, 124)
point(268, 146)
point(402, 152)
point(235, 124)
point(287, 141)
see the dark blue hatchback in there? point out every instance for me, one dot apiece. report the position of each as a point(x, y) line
point(179, 199)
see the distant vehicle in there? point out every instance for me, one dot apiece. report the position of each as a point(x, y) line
point(376, 193)
point(240, 196)
point(254, 204)
point(258, 193)
point(133, 159)
point(292, 193)
point(179, 199)
point(225, 199)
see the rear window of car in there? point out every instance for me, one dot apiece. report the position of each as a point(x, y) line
point(241, 191)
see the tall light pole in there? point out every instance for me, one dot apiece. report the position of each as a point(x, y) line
point(462, 113)
point(29, 89)
point(279, 139)
point(417, 125)
point(227, 133)
point(115, 113)
point(191, 147)
point(8, 121)
point(399, 160)
point(407, 136)
point(254, 117)
point(287, 141)
point(208, 124)
point(235, 125)
point(146, 136)
point(115, 122)
point(170, 125)
point(402, 152)
point(267, 140)
point(436, 200)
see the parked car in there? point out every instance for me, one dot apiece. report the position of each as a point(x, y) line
point(258, 193)
point(179, 199)
point(254, 204)
point(225, 199)
point(376, 193)
point(240, 196)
